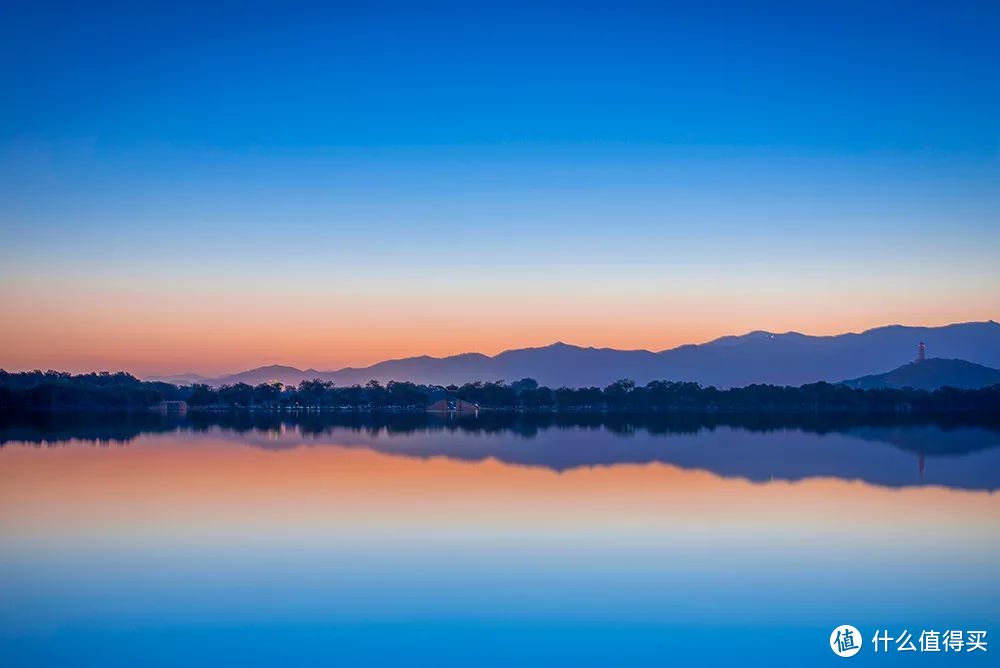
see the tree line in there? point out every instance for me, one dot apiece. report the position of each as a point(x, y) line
point(53, 390)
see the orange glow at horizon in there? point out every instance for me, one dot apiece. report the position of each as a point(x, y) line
point(213, 333)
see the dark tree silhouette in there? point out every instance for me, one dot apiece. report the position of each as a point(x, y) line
point(53, 391)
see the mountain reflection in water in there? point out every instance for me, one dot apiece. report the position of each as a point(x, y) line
point(886, 452)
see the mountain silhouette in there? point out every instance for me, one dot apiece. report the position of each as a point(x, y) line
point(788, 358)
point(931, 374)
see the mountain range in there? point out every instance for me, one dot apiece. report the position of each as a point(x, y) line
point(788, 358)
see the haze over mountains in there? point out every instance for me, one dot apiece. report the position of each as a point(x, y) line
point(758, 357)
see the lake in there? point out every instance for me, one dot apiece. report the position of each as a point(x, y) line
point(491, 540)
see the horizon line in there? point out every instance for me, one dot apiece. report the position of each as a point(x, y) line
point(541, 347)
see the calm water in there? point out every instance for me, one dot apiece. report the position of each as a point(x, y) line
point(415, 541)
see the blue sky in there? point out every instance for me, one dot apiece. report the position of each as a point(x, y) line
point(817, 166)
point(842, 77)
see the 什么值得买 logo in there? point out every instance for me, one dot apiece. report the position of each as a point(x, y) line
point(845, 640)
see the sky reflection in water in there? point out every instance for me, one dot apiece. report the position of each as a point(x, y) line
point(448, 546)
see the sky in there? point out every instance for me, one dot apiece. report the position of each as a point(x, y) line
point(211, 187)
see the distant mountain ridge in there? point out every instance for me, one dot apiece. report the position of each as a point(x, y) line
point(789, 358)
point(931, 374)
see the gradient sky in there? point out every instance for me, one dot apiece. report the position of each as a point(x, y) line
point(214, 186)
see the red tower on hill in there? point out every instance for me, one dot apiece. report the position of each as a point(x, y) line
point(921, 352)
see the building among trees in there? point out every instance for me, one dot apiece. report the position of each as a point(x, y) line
point(443, 401)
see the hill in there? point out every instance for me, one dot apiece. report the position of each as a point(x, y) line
point(931, 374)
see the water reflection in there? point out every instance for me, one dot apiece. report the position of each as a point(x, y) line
point(508, 540)
point(886, 452)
